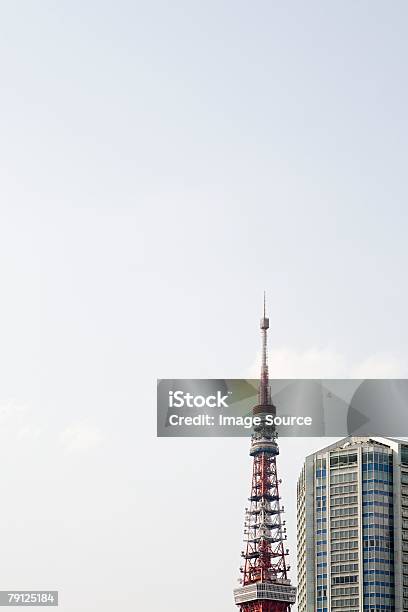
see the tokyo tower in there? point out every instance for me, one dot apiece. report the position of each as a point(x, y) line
point(265, 586)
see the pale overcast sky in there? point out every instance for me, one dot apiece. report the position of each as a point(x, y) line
point(161, 165)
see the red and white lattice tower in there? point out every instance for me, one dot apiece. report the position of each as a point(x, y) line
point(265, 584)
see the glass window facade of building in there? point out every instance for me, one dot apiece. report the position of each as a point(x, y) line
point(352, 505)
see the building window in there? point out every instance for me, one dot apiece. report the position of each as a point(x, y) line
point(343, 460)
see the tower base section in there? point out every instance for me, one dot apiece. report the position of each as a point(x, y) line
point(265, 596)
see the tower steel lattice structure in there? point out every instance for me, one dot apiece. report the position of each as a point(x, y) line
point(265, 586)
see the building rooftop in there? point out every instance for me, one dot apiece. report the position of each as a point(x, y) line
point(350, 441)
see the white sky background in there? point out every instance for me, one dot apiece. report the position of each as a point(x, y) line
point(160, 165)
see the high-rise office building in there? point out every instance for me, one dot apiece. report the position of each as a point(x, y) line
point(352, 515)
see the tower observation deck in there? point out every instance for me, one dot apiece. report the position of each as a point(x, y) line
point(265, 586)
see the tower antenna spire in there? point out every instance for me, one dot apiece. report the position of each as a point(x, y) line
point(264, 388)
